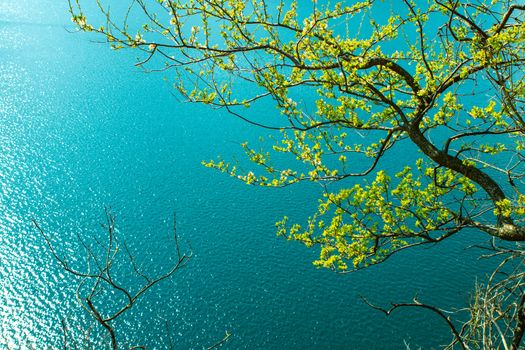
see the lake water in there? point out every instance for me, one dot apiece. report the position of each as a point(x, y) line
point(81, 129)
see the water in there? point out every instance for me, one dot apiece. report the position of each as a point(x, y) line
point(82, 129)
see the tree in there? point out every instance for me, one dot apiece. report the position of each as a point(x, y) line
point(354, 89)
point(496, 315)
point(110, 282)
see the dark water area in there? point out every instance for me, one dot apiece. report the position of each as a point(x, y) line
point(82, 129)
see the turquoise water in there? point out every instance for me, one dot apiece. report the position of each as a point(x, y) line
point(82, 129)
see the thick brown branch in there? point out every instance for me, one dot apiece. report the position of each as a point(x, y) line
point(507, 15)
point(506, 229)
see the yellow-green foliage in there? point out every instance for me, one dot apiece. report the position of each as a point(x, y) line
point(441, 77)
point(365, 224)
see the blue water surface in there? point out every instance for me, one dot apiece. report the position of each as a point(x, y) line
point(82, 129)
